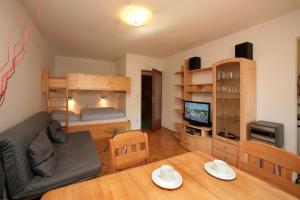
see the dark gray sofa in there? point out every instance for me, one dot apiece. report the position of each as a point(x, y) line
point(77, 159)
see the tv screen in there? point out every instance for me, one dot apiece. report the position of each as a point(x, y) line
point(197, 113)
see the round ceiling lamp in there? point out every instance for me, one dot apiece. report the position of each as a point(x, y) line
point(136, 16)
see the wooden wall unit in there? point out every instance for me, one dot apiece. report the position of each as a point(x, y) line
point(201, 142)
point(192, 142)
point(234, 103)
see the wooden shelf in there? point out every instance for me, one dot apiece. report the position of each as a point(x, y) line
point(199, 88)
point(202, 141)
point(201, 70)
point(200, 84)
point(230, 79)
point(199, 91)
point(198, 127)
point(179, 111)
point(229, 99)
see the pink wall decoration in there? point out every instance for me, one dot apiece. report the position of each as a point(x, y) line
point(20, 49)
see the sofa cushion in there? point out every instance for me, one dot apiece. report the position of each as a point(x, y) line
point(77, 159)
point(60, 136)
point(47, 167)
point(42, 155)
point(54, 126)
point(56, 133)
point(14, 144)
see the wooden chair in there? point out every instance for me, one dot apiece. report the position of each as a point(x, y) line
point(271, 164)
point(129, 149)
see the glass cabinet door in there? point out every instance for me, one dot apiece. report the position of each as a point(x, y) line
point(228, 100)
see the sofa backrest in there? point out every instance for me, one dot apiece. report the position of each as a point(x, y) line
point(2, 178)
point(14, 143)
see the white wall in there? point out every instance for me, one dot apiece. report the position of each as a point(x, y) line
point(83, 99)
point(298, 57)
point(121, 71)
point(275, 52)
point(134, 66)
point(64, 65)
point(121, 66)
point(24, 96)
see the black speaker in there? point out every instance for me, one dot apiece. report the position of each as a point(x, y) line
point(194, 63)
point(244, 50)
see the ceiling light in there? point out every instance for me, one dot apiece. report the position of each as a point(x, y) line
point(136, 16)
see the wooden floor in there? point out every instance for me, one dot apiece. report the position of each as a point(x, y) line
point(162, 144)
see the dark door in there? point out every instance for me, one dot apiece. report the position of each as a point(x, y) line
point(146, 100)
point(156, 99)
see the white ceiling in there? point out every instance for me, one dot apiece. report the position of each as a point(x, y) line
point(93, 29)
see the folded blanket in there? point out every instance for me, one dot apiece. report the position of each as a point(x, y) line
point(60, 115)
point(91, 114)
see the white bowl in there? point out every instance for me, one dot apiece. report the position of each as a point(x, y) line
point(229, 175)
point(176, 183)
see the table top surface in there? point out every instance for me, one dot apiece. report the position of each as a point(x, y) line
point(136, 183)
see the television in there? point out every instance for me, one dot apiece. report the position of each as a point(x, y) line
point(197, 113)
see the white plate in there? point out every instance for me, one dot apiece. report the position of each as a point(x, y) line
point(230, 175)
point(167, 185)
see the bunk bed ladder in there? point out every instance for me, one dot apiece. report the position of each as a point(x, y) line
point(56, 83)
point(67, 102)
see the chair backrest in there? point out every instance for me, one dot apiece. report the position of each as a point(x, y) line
point(270, 163)
point(129, 149)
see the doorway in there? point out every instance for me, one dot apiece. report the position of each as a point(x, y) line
point(146, 100)
point(151, 106)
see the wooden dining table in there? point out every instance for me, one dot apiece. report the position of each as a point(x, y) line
point(136, 183)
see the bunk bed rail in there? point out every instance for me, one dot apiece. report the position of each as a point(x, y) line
point(98, 82)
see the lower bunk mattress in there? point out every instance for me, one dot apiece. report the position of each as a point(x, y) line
point(101, 122)
point(94, 122)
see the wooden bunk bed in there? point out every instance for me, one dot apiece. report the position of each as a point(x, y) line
point(78, 81)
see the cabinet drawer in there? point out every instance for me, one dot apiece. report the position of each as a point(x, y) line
point(199, 144)
point(222, 155)
point(229, 148)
